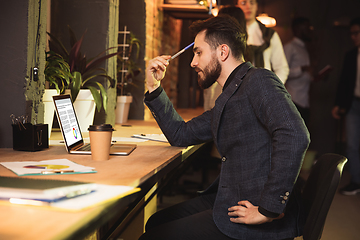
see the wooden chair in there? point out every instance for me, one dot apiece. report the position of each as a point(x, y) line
point(319, 191)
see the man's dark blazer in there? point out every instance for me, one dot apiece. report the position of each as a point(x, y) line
point(262, 140)
point(346, 86)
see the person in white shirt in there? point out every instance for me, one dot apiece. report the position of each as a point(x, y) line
point(264, 43)
point(300, 75)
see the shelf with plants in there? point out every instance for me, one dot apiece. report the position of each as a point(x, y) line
point(129, 47)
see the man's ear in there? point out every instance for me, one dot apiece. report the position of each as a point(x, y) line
point(224, 52)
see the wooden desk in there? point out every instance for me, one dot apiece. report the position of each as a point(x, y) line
point(144, 167)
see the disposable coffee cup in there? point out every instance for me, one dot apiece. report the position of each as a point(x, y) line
point(100, 141)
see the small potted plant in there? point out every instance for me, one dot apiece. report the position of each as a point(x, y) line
point(127, 71)
point(91, 74)
point(86, 74)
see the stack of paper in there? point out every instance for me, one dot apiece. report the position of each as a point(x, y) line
point(103, 194)
point(45, 190)
point(58, 194)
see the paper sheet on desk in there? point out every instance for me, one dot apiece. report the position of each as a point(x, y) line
point(152, 137)
point(38, 167)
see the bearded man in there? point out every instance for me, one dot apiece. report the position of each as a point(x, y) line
point(258, 132)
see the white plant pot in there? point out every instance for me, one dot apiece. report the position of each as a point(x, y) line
point(122, 109)
point(85, 108)
point(49, 108)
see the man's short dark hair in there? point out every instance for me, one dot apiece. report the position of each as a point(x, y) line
point(223, 30)
point(355, 21)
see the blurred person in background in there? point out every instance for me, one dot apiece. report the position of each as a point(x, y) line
point(300, 74)
point(347, 104)
point(265, 49)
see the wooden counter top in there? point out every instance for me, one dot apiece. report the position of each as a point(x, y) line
point(148, 159)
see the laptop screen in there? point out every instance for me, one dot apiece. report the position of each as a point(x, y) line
point(67, 120)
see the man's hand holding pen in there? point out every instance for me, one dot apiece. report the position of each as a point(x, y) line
point(156, 68)
point(155, 71)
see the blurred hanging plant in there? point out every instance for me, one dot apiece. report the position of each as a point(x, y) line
point(86, 73)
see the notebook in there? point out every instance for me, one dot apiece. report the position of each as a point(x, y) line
point(70, 130)
point(42, 189)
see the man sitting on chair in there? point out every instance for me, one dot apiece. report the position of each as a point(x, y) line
point(258, 132)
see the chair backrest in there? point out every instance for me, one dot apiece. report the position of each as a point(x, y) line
point(319, 191)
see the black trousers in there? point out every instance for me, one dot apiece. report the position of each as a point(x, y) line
point(191, 220)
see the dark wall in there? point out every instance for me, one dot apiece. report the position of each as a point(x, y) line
point(13, 57)
point(81, 15)
point(186, 89)
point(132, 15)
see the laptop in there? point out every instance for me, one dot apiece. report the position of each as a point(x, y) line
point(70, 130)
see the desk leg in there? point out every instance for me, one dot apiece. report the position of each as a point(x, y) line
point(151, 207)
point(137, 226)
point(92, 236)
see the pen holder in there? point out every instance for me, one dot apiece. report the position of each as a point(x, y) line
point(28, 137)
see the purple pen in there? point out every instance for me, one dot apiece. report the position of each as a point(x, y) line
point(181, 51)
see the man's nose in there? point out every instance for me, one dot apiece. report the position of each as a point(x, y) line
point(193, 63)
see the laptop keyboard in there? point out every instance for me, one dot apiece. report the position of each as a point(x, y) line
point(86, 147)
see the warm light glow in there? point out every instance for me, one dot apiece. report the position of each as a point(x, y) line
point(215, 12)
point(202, 3)
point(266, 20)
point(214, 8)
point(207, 3)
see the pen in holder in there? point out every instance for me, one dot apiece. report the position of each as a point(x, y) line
point(29, 137)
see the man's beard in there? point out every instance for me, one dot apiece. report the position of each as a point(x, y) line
point(211, 74)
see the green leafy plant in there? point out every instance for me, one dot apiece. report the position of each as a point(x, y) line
point(86, 73)
point(128, 62)
point(57, 72)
